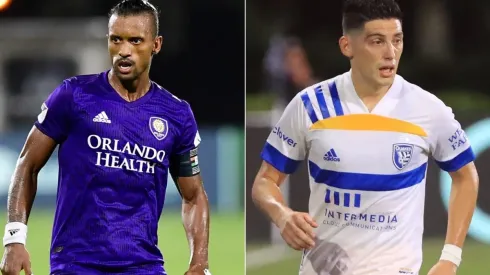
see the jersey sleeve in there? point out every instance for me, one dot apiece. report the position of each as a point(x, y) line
point(56, 113)
point(184, 160)
point(189, 138)
point(451, 148)
point(286, 145)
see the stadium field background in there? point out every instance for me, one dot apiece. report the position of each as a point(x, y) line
point(475, 259)
point(226, 243)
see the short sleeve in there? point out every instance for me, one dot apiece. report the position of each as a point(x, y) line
point(286, 145)
point(56, 112)
point(451, 147)
point(189, 138)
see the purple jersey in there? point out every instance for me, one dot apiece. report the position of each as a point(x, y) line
point(113, 169)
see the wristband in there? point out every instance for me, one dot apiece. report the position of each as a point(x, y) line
point(15, 232)
point(451, 253)
point(206, 272)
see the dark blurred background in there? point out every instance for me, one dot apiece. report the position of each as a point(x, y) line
point(292, 44)
point(201, 59)
point(43, 42)
point(446, 45)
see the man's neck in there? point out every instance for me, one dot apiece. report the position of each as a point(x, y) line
point(370, 93)
point(130, 90)
point(366, 89)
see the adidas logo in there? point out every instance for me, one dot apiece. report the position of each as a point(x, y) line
point(331, 156)
point(13, 231)
point(102, 117)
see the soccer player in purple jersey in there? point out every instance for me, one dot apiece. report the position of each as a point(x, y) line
point(119, 136)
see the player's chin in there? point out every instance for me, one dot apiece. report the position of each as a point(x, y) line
point(384, 79)
point(125, 76)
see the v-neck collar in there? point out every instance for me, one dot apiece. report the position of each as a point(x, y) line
point(386, 104)
point(113, 94)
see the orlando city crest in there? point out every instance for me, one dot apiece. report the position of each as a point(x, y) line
point(158, 127)
point(402, 155)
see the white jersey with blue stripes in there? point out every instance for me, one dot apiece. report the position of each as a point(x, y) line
point(367, 171)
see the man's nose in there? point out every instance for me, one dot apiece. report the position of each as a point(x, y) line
point(125, 50)
point(389, 52)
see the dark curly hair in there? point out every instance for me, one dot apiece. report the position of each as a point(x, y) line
point(137, 7)
point(357, 12)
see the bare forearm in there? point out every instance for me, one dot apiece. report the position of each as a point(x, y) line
point(22, 192)
point(268, 197)
point(461, 207)
point(195, 216)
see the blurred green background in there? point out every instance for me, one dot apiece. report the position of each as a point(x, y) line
point(226, 251)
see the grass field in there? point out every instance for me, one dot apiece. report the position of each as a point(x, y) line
point(476, 260)
point(226, 243)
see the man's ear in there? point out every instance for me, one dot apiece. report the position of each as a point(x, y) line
point(345, 45)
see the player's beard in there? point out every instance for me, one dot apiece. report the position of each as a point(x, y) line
point(132, 75)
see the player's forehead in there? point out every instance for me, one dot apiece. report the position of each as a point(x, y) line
point(383, 27)
point(130, 25)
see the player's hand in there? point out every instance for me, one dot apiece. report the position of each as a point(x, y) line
point(297, 230)
point(443, 268)
point(197, 270)
point(15, 258)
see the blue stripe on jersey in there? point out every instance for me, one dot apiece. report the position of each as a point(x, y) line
point(336, 198)
point(457, 162)
point(327, 196)
point(346, 199)
point(275, 158)
point(320, 97)
point(335, 98)
point(357, 200)
point(309, 107)
point(367, 182)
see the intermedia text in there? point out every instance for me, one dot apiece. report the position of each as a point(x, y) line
point(376, 222)
point(106, 148)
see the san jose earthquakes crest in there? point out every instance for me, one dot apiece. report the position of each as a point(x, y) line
point(158, 127)
point(402, 155)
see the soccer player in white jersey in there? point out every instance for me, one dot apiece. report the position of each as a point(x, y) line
point(366, 136)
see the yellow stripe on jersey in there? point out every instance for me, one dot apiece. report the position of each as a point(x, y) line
point(368, 122)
